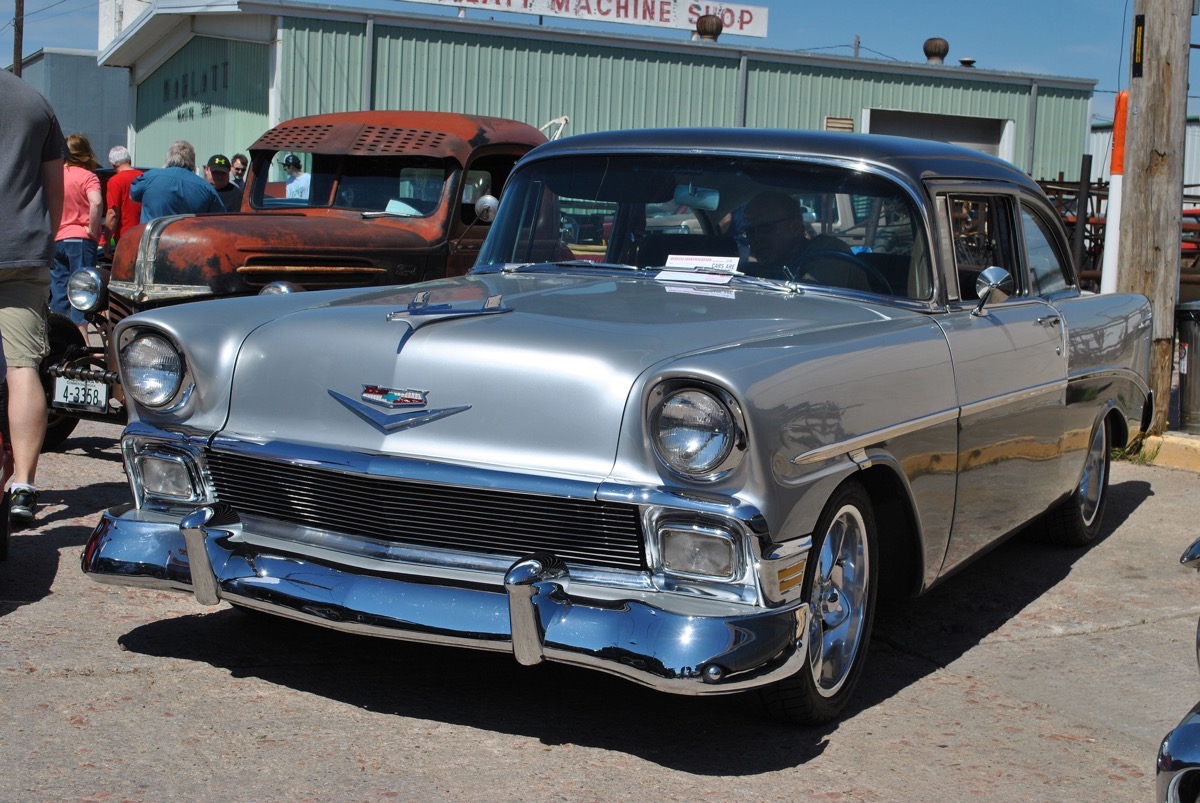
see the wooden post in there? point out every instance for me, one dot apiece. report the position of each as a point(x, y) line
point(18, 35)
point(1148, 257)
point(1082, 199)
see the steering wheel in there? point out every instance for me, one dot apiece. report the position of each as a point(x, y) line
point(816, 262)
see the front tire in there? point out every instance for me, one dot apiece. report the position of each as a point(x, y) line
point(840, 584)
point(62, 335)
point(1076, 520)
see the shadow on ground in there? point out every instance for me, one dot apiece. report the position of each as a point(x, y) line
point(65, 519)
point(560, 704)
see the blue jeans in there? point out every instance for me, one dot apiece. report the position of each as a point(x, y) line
point(69, 256)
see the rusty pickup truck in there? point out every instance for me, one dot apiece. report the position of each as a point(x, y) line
point(381, 197)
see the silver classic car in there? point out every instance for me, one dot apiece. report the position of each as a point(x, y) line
point(693, 458)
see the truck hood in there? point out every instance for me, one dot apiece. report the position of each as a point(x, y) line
point(230, 254)
point(530, 373)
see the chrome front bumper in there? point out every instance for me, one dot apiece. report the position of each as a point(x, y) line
point(531, 614)
point(1177, 771)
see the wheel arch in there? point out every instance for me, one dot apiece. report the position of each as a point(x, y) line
point(900, 563)
point(1118, 427)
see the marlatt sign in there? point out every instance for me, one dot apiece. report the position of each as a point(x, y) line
point(739, 19)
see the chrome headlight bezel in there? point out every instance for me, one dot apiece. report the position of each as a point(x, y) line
point(153, 369)
point(186, 461)
point(718, 434)
point(87, 290)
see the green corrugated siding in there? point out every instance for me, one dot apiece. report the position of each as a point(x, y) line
point(322, 67)
point(323, 64)
point(213, 93)
point(534, 81)
point(799, 96)
point(1062, 120)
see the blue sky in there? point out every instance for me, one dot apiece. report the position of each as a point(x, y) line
point(1075, 38)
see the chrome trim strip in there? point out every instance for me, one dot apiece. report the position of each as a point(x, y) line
point(384, 557)
point(158, 292)
point(974, 408)
point(871, 438)
point(402, 468)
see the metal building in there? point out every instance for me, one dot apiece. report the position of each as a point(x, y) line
point(86, 97)
point(1100, 146)
point(220, 73)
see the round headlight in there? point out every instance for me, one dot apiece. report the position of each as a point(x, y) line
point(694, 432)
point(280, 288)
point(153, 370)
point(85, 288)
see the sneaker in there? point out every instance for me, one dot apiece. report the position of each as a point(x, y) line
point(24, 502)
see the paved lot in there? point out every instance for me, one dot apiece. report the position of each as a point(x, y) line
point(1035, 674)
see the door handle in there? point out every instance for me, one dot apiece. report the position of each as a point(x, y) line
point(1050, 320)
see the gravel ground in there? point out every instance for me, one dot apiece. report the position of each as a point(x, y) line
point(1034, 674)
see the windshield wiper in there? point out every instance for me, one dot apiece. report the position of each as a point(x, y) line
point(385, 213)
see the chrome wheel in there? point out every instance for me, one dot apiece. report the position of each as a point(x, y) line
point(1095, 475)
point(839, 599)
point(839, 595)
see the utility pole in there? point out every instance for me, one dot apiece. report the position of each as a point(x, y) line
point(1148, 258)
point(18, 35)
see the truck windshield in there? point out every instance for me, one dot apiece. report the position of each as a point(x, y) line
point(404, 186)
point(795, 222)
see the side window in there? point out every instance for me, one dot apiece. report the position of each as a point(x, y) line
point(1046, 271)
point(485, 176)
point(981, 233)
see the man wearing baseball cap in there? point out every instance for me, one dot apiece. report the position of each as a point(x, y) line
point(217, 173)
point(297, 181)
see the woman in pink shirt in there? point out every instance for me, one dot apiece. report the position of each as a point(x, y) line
point(79, 234)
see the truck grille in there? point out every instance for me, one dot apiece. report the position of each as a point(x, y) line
point(491, 522)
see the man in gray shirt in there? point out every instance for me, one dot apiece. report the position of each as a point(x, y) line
point(31, 173)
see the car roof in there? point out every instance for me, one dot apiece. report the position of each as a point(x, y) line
point(916, 160)
point(378, 133)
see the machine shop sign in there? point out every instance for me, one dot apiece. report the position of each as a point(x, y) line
point(739, 19)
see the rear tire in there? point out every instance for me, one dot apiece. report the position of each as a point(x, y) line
point(1076, 521)
point(840, 584)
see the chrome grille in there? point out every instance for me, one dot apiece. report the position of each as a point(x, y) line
point(491, 522)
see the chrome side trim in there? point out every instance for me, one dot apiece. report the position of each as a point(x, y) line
point(876, 436)
point(1006, 399)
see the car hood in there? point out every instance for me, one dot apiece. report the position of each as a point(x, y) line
point(531, 373)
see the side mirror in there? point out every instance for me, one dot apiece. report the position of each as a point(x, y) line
point(485, 208)
point(993, 286)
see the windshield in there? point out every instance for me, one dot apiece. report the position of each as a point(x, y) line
point(794, 222)
point(405, 186)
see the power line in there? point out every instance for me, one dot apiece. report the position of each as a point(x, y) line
point(28, 14)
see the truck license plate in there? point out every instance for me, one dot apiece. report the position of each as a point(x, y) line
point(80, 394)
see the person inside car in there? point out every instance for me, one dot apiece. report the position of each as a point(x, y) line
point(782, 246)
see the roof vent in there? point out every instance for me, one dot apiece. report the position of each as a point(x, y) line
point(709, 27)
point(936, 49)
point(967, 62)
